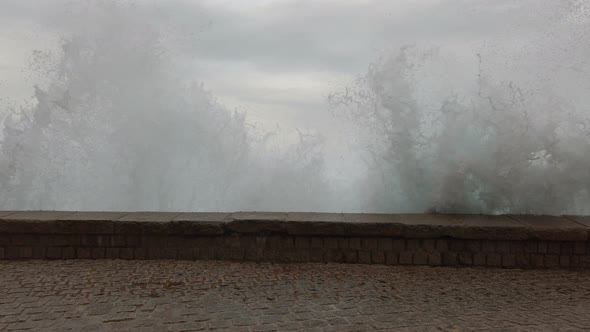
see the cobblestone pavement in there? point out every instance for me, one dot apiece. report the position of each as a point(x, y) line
point(111, 295)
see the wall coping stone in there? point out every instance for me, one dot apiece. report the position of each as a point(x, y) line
point(582, 220)
point(476, 227)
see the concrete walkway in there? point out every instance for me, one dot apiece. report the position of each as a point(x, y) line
point(107, 295)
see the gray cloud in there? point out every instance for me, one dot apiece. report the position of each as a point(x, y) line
point(340, 36)
point(254, 55)
point(258, 46)
point(311, 35)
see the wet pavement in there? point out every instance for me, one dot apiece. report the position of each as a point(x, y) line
point(107, 295)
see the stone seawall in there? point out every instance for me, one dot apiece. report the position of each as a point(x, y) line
point(519, 241)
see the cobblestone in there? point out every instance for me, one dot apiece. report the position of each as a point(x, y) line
point(117, 295)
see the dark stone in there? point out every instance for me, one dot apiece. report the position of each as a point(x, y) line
point(552, 261)
point(479, 259)
point(450, 259)
point(54, 253)
point(537, 260)
point(391, 258)
point(364, 256)
point(580, 248)
point(405, 258)
point(435, 259)
point(494, 260)
point(378, 257)
point(465, 258)
point(98, 253)
point(509, 260)
point(350, 256)
point(553, 228)
point(112, 253)
point(83, 253)
point(420, 258)
point(68, 253)
point(523, 260)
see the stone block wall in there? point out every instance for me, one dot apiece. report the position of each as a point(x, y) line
point(436, 240)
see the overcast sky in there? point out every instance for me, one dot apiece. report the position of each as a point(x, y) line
point(275, 56)
point(278, 59)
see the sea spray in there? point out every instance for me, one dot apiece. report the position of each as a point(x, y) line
point(493, 126)
point(500, 148)
point(117, 127)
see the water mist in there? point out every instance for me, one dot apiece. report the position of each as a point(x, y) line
point(117, 128)
point(116, 125)
point(515, 139)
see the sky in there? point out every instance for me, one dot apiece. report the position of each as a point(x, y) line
point(278, 60)
point(275, 56)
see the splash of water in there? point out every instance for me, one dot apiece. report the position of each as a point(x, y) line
point(117, 128)
point(518, 141)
